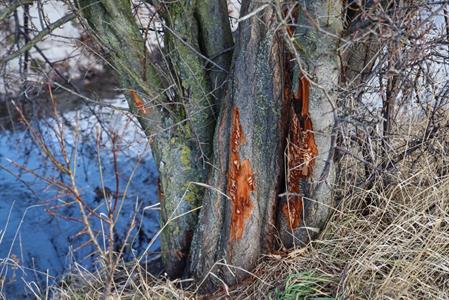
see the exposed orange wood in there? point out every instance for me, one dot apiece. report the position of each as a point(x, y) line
point(292, 208)
point(240, 180)
point(302, 151)
point(138, 102)
point(303, 96)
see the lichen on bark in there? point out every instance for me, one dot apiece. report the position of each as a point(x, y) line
point(181, 128)
point(197, 133)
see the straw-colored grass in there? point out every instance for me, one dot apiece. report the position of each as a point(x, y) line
point(388, 242)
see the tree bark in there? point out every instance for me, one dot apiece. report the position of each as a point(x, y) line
point(302, 216)
point(236, 224)
point(180, 127)
point(269, 131)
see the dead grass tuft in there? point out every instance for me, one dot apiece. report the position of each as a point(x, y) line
point(388, 242)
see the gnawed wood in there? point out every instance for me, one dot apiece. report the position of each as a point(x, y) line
point(301, 153)
point(240, 180)
point(308, 200)
point(138, 102)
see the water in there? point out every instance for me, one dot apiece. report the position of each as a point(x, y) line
point(40, 230)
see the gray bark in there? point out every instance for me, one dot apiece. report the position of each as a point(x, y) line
point(234, 229)
point(180, 134)
point(318, 39)
point(240, 208)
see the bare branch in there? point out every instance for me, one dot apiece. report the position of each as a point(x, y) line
point(39, 37)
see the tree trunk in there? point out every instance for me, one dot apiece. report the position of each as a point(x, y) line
point(196, 87)
point(237, 220)
point(181, 124)
point(234, 229)
point(314, 87)
point(268, 132)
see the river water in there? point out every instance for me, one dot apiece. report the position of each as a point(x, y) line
point(41, 236)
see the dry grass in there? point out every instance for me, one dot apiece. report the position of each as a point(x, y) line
point(133, 282)
point(389, 242)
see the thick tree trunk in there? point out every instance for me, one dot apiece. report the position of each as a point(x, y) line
point(180, 197)
point(237, 220)
point(180, 126)
point(234, 229)
point(273, 135)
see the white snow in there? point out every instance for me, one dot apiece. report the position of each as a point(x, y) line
point(62, 47)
